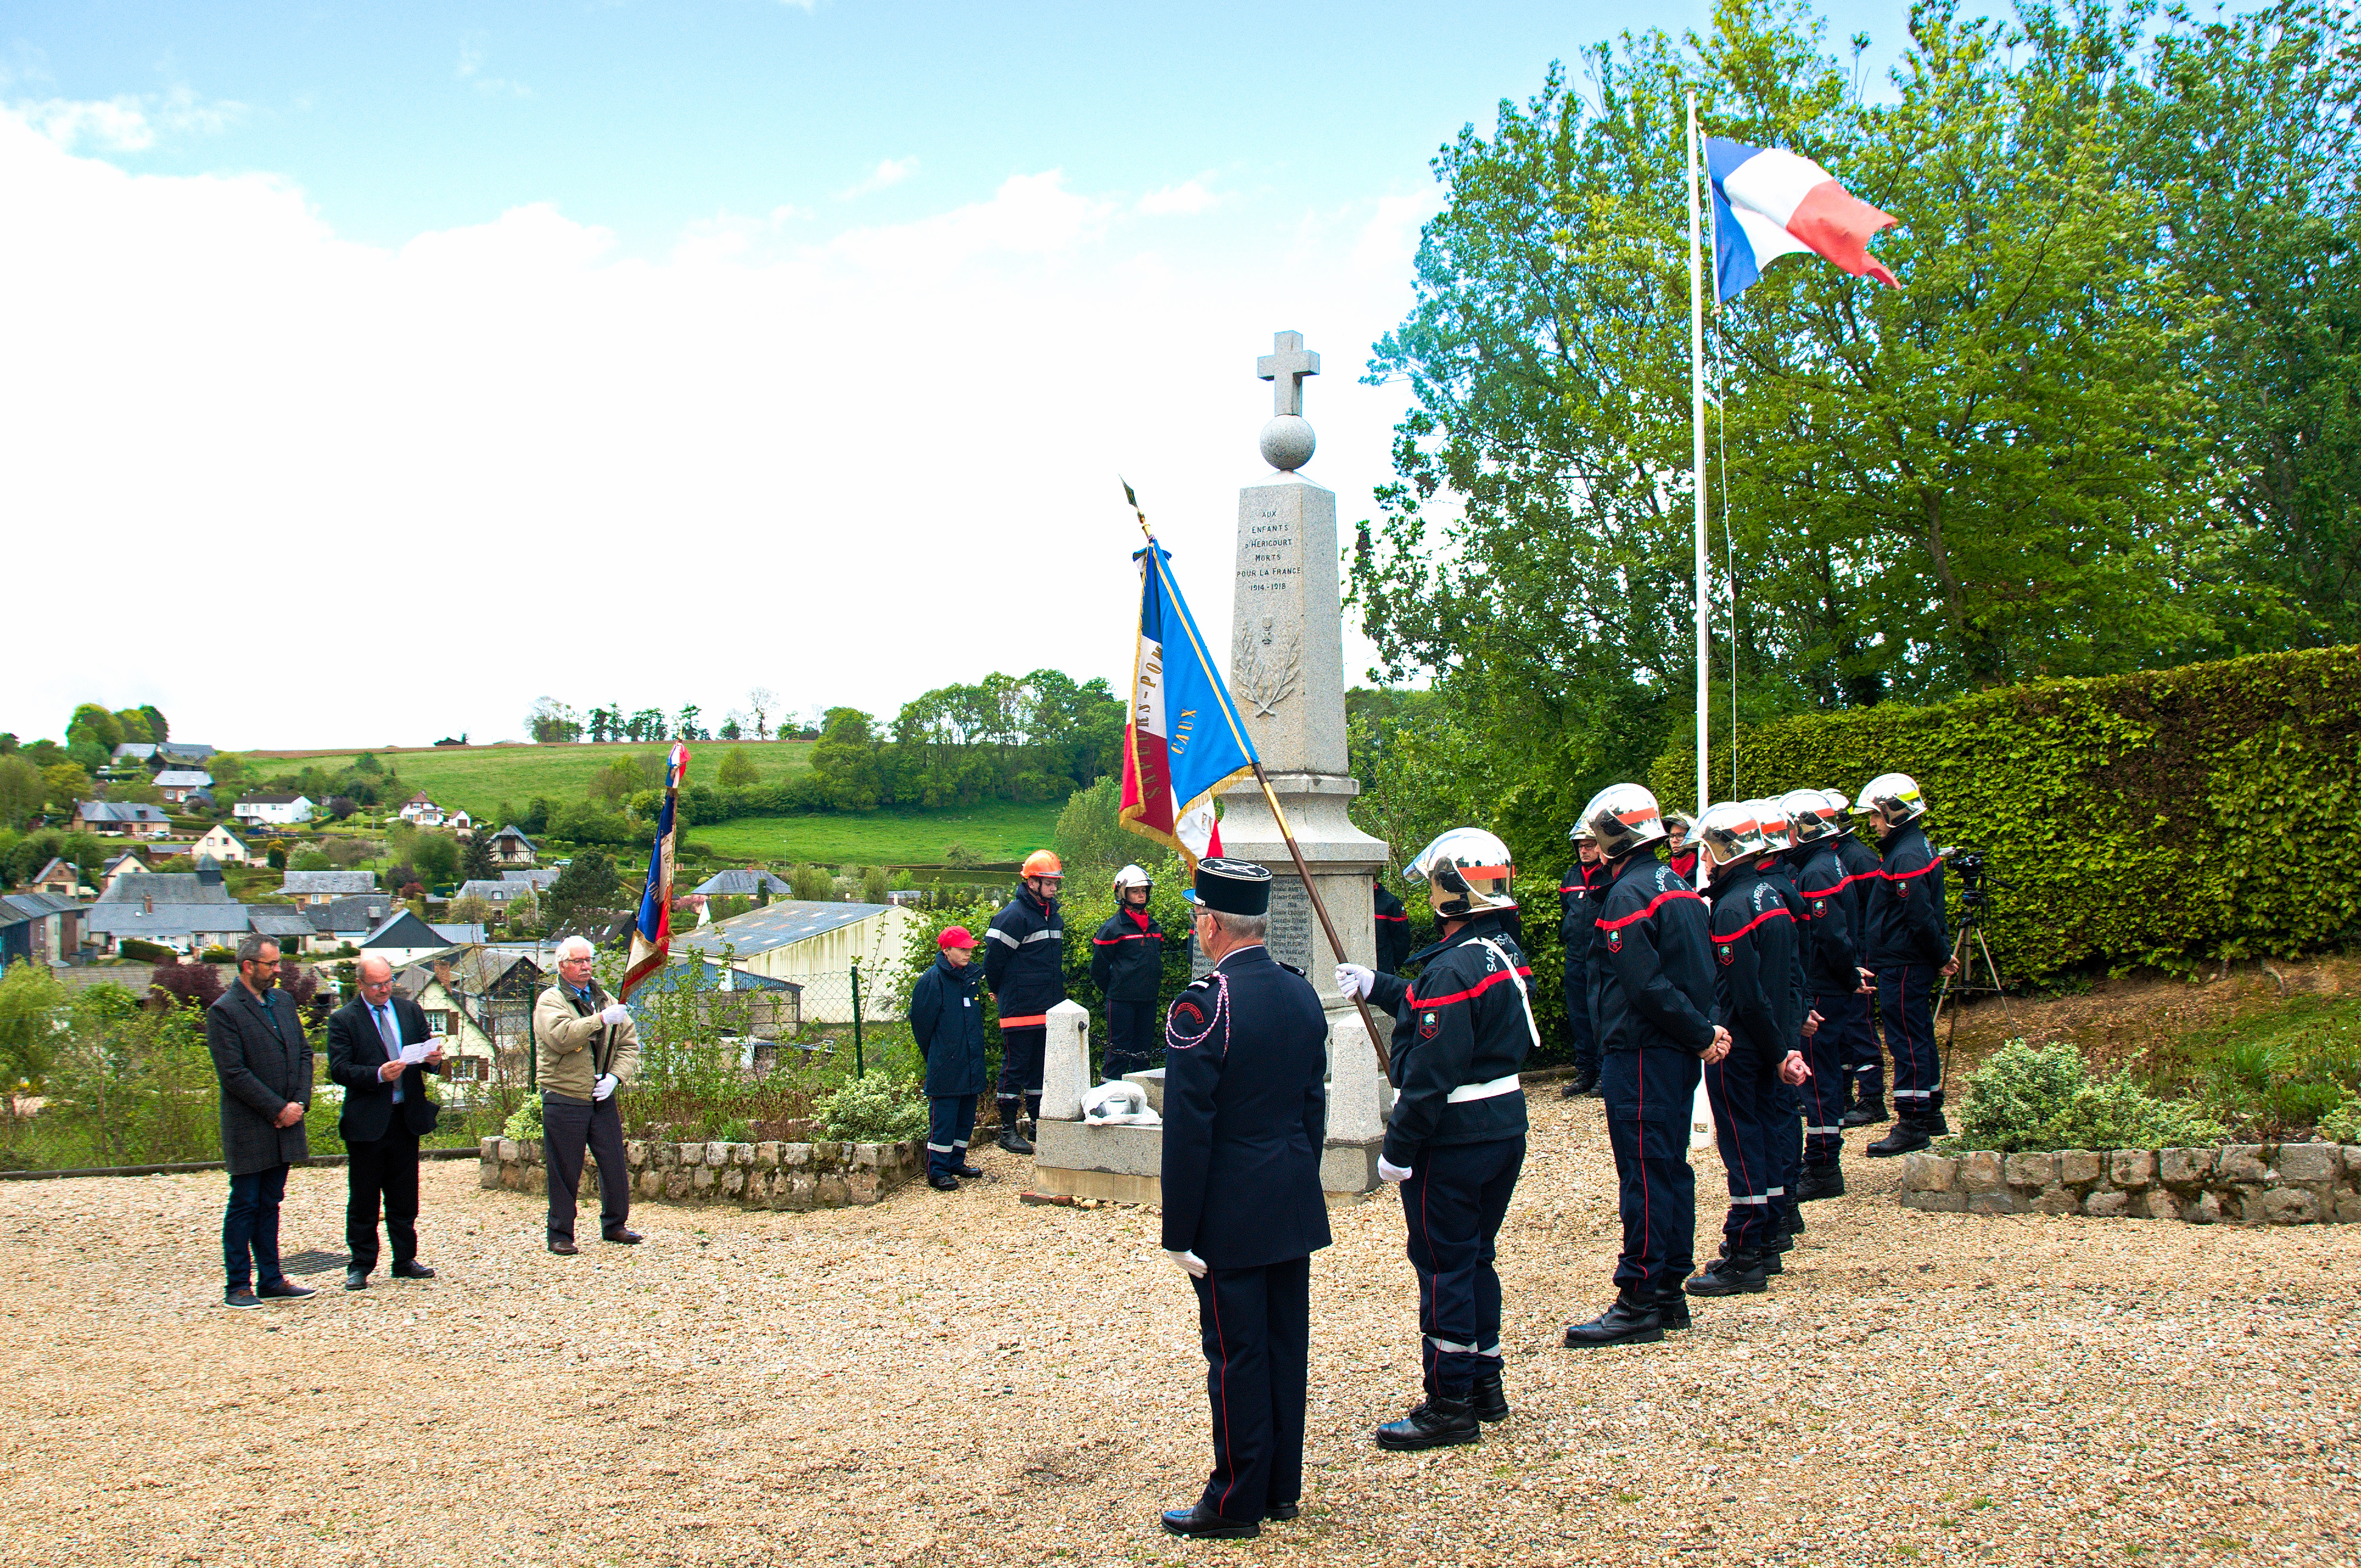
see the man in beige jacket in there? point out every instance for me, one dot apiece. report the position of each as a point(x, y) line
point(587, 1047)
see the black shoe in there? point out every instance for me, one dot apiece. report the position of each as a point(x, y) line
point(414, 1270)
point(1199, 1522)
point(943, 1183)
point(1485, 1398)
point(1435, 1422)
point(1740, 1273)
point(1015, 1142)
point(1908, 1134)
point(1584, 1083)
point(970, 1171)
point(622, 1236)
point(1936, 1126)
point(1770, 1253)
point(1673, 1311)
point(240, 1297)
point(284, 1290)
point(563, 1247)
point(356, 1278)
point(1625, 1322)
point(1867, 1114)
point(1281, 1512)
point(1820, 1181)
point(1791, 1220)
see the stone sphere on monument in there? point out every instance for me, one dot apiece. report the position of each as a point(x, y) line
point(1288, 442)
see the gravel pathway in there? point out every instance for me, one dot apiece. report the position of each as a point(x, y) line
point(946, 1379)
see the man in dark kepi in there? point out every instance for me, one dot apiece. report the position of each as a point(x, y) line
point(1245, 1116)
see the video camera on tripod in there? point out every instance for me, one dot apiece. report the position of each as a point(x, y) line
point(1977, 903)
point(1976, 889)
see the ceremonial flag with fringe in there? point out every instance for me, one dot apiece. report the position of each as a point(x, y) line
point(1184, 742)
point(651, 938)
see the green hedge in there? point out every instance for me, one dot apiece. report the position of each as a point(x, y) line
point(2155, 818)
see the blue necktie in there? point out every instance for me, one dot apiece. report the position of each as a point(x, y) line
point(390, 1032)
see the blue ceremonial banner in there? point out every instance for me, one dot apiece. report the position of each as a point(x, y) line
point(1184, 742)
point(651, 938)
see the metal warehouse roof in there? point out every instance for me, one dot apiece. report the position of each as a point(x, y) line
point(783, 925)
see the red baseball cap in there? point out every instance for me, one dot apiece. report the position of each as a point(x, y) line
point(957, 936)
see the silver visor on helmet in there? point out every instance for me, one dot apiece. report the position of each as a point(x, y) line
point(1623, 817)
point(1457, 860)
point(1810, 817)
point(1896, 795)
point(1771, 818)
point(1731, 833)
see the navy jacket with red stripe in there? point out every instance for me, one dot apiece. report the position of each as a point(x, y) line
point(1832, 905)
point(1128, 957)
point(1652, 973)
point(1905, 920)
point(1754, 962)
point(1466, 1021)
point(1785, 878)
point(1393, 929)
point(1578, 891)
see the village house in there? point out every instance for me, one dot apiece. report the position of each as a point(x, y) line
point(324, 887)
point(541, 880)
point(402, 938)
point(499, 893)
point(511, 848)
point(421, 812)
point(117, 817)
point(40, 928)
point(128, 863)
point(809, 941)
point(279, 809)
point(60, 877)
point(178, 784)
point(480, 999)
point(346, 922)
point(223, 845)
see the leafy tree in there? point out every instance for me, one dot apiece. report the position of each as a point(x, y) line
point(728, 730)
point(1090, 838)
point(157, 730)
point(811, 883)
point(31, 1001)
point(550, 722)
point(274, 855)
point(400, 875)
point(618, 781)
point(687, 722)
point(470, 910)
point(340, 806)
point(475, 859)
point(436, 856)
point(92, 724)
point(873, 885)
point(132, 725)
point(141, 789)
point(196, 985)
point(736, 771)
point(311, 861)
point(22, 791)
point(66, 782)
point(588, 883)
point(367, 763)
point(845, 761)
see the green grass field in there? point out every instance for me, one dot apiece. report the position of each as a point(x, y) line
point(475, 779)
point(994, 831)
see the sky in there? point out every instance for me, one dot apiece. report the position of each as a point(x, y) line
point(375, 371)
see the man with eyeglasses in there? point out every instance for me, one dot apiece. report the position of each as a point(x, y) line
point(264, 1062)
point(380, 1050)
point(587, 1047)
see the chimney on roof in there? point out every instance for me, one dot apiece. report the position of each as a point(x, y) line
point(442, 973)
point(147, 904)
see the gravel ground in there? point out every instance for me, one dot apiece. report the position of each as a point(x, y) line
point(944, 1379)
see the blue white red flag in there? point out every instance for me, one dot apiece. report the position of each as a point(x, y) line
point(1184, 743)
point(1769, 203)
point(651, 938)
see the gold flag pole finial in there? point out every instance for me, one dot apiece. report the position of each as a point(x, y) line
point(1133, 502)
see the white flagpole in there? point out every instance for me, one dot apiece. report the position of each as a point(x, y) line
point(1696, 417)
point(1700, 1109)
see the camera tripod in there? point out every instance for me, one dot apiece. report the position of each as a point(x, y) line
point(1966, 948)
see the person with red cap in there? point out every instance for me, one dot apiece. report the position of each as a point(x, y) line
point(947, 1021)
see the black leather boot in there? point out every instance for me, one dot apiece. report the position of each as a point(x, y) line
point(1585, 1080)
point(1435, 1422)
point(1673, 1311)
point(1738, 1273)
point(1909, 1133)
point(1625, 1322)
point(1820, 1181)
point(1770, 1252)
point(1867, 1114)
point(1486, 1400)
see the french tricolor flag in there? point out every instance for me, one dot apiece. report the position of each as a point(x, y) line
point(1768, 203)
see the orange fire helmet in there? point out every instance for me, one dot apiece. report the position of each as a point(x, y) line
point(1042, 862)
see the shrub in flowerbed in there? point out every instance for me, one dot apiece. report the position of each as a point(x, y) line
point(2023, 1097)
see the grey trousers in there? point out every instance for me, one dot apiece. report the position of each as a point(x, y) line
point(567, 1127)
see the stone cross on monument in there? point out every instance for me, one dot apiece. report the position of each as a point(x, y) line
point(1286, 673)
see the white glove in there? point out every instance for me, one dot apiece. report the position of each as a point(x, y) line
point(1354, 980)
point(1189, 1261)
point(607, 1084)
point(616, 1013)
point(1387, 1171)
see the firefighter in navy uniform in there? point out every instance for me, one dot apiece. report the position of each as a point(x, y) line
point(1866, 1083)
point(1456, 1139)
point(1908, 950)
point(1578, 902)
point(1245, 1117)
point(1832, 967)
point(1127, 966)
point(1393, 929)
point(1025, 969)
point(1755, 997)
point(1651, 995)
point(1780, 869)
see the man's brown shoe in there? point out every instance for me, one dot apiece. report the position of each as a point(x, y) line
point(622, 1236)
point(562, 1248)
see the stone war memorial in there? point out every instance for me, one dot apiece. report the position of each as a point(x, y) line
point(1286, 675)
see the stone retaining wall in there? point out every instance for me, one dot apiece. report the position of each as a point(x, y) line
point(2252, 1184)
point(743, 1176)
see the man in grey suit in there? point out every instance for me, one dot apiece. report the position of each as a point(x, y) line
point(386, 1112)
point(264, 1063)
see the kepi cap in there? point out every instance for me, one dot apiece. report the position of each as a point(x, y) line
point(1232, 887)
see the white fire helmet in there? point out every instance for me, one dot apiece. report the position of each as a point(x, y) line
point(1810, 817)
point(1771, 818)
point(1895, 795)
point(1132, 876)
point(1459, 860)
point(1731, 833)
point(1621, 817)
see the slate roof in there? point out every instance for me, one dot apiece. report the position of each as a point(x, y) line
point(512, 831)
point(35, 904)
point(280, 922)
point(362, 911)
point(134, 751)
point(541, 879)
point(742, 884)
point(181, 920)
point(118, 811)
point(269, 800)
point(336, 882)
point(458, 935)
point(783, 925)
point(672, 977)
point(495, 890)
point(186, 751)
point(58, 864)
point(110, 865)
point(165, 887)
point(180, 778)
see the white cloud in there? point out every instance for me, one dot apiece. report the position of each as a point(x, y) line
point(889, 172)
point(831, 464)
point(470, 69)
point(127, 122)
point(1187, 199)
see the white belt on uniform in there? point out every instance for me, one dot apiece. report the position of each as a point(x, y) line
point(1499, 1086)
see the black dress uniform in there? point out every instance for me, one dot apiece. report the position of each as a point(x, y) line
point(1393, 929)
point(1753, 988)
point(1782, 871)
point(1245, 1116)
point(1832, 966)
point(946, 1022)
point(1652, 993)
point(1127, 966)
point(1578, 891)
point(1863, 870)
point(1908, 945)
point(1461, 1034)
point(1025, 969)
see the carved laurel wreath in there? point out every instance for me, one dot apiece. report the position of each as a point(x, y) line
point(1267, 664)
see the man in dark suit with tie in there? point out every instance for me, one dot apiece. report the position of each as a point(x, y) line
point(1245, 1115)
point(386, 1112)
point(264, 1062)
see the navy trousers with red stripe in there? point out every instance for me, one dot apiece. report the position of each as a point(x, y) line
point(1748, 1101)
point(1833, 1051)
point(1583, 1039)
point(1648, 1095)
point(1256, 1325)
point(1906, 1000)
point(1452, 1206)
